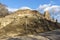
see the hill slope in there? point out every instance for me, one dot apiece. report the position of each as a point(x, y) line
point(25, 22)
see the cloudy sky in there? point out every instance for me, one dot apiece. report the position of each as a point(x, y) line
point(42, 5)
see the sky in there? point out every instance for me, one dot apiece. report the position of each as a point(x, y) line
point(41, 5)
point(30, 3)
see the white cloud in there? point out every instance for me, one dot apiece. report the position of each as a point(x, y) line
point(53, 8)
point(49, 7)
point(22, 8)
point(12, 9)
point(52, 2)
point(41, 8)
point(15, 9)
point(44, 6)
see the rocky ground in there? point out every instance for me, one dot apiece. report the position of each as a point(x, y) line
point(52, 35)
point(29, 37)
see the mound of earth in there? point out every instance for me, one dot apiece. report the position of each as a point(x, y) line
point(24, 22)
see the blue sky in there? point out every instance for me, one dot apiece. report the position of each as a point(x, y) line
point(30, 3)
point(42, 5)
